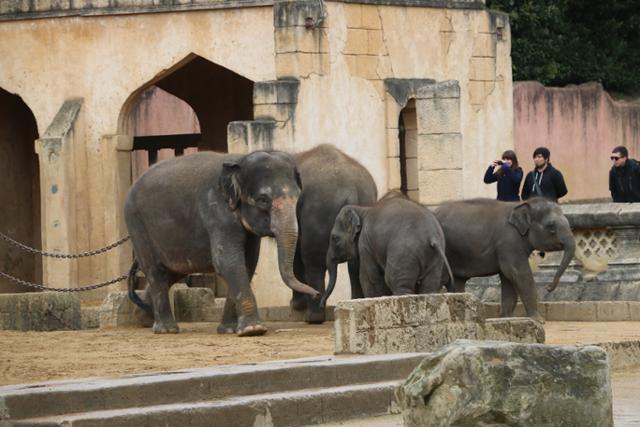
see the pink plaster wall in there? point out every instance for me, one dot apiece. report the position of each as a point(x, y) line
point(580, 125)
point(160, 113)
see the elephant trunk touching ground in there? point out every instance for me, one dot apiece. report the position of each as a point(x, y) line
point(285, 229)
point(332, 267)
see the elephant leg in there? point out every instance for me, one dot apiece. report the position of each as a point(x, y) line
point(459, 283)
point(508, 297)
point(298, 301)
point(371, 277)
point(520, 275)
point(314, 277)
point(431, 280)
point(230, 262)
point(401, 275)
point(160, 279)
point(354, 278)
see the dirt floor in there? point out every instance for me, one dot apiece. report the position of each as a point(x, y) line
point(27, 357)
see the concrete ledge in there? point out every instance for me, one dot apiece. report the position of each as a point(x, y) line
point(420, 323)
point(39, 311)
point(583, 311)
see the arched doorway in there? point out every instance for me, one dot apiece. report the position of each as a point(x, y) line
point(186, 110)
point(19, 191)
point(408, 140)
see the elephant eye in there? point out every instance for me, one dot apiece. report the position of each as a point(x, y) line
point(551, 228)
point(263, 200)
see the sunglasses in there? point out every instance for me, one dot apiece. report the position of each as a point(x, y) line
point(615, 158)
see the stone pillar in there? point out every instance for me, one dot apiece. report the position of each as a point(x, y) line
point(439, 142)
point(57, 194)
point(116, 160)
point(276, 101)
point(628, 247)
point(244, 137)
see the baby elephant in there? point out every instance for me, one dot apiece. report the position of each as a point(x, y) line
point(399, 243)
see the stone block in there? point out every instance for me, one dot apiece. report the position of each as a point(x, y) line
point(300, 39)
point(400, 340)
point(513, 329)
point(197, 305)
point(367, 67)
point(484, 45)
point(440, 185)
point(375, 42)
point(438, 115)
point(357, 42)
point(393, 143)
point(571, 311)
point(412, 174)
point(287, 65)
point(479, 91)
point(393, 173)
point(283, 91)
point(469, 383)
point(430, 337)
point(40, 311)
point(90, 317)
point(295, 13)
point(612, 311)
point(117, 311)
point(353, 13)
point(490, 310)
point(411, 143)
point(443, 90)
point(634, 311)
point(371, 17)
point(483, 69)
point(440, 151)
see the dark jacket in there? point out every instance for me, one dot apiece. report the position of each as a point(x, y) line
point(508, 182)
point(549, 184)
point(624, 182)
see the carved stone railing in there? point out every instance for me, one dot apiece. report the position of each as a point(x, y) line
point(607, 261)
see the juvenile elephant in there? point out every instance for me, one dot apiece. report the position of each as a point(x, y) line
point(486, 237)
point(399, 243)
point(330, 180)
point(206, 212)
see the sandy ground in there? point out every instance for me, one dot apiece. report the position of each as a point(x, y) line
point(27, 357)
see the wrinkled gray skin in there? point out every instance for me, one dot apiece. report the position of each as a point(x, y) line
point(206, 212)
point(330, 180)
point(399, 243)
point(486, 237)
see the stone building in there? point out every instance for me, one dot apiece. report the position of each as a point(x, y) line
point(419, 91)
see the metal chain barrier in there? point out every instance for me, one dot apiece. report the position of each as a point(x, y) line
point(58, 255)
point(43, 287)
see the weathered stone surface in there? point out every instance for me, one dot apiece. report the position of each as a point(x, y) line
point(39, 311)
point(90, 318)
point(197, 305)
point(418, 323)
point(117, 311)
point(471, 383)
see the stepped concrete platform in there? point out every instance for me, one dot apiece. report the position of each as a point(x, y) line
point(287, 393)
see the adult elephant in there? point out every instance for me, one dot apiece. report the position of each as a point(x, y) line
point(399, 243)
point(206, 212)
point(330, 180)
point(486, 237)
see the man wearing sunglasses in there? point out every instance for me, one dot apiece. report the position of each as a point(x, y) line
point(624, 177)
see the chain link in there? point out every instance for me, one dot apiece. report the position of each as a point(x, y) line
point(46, 288)
point(58, 255)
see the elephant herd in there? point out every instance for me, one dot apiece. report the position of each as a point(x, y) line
point(207, 212)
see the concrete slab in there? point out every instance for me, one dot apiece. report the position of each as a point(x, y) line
point(40, 311)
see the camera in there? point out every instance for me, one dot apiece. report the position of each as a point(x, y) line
point(499, 162)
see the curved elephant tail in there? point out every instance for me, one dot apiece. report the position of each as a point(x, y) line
point(438, 247)
point(132, 282)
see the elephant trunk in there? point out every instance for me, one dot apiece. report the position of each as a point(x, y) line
point(284, 226)
point(332, 267)
point(569, 245)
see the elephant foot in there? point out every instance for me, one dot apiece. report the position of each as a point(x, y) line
point(298, 303)
point(227, 328)
point(169, 328)
point(252, 330)
point(315, 317)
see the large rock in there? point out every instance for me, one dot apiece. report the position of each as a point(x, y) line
point(39, 311)
point(474, 383)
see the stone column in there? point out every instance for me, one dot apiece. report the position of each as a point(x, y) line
point(116, 160)
point(57, 194)
point(275, 101)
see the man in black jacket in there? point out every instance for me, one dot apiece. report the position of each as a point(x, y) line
point(545, 180)
point(624, 177)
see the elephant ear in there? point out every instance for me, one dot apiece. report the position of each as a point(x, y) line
point(353, 220)
point(520, 218)
point(229, 184)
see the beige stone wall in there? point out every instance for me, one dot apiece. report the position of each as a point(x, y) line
point(463, 106)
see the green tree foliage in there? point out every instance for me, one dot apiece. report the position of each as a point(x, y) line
point(558, 42)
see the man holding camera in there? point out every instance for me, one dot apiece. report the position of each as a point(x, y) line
point(545, 180)
point(624, 177)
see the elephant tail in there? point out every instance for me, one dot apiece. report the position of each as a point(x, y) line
point(133, 296)
point(438, 247)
